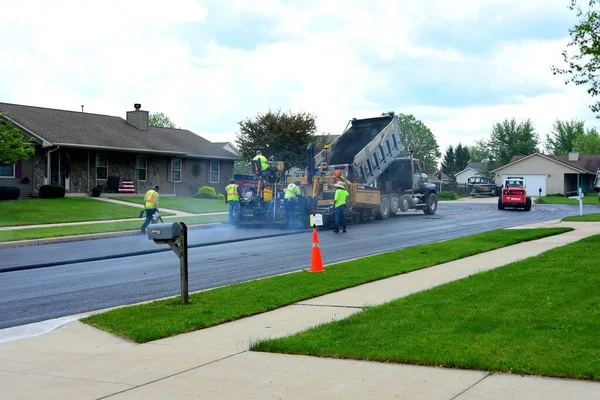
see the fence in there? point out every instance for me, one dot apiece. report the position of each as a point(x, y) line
point(462, 189)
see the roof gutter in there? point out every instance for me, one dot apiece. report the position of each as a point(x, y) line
point(86, 146)
point(45, 143)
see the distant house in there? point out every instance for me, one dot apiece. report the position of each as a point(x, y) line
point(472, 169)
point(82, 150)
point(552, 174)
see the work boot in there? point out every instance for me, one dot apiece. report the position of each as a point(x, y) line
point(336, 230)
point(344, 231)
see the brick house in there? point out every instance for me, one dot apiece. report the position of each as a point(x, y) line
point(82, 150)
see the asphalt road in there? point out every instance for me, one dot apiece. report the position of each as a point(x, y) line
point(44, 293)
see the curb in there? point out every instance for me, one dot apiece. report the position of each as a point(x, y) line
point(91, 236)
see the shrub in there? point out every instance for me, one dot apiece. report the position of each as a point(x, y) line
point(447, 195)
point(221, 196)
point(206, 192)
point(9, 192)
point(52, 191)
point(97, 191)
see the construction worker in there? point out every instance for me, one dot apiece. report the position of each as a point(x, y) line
point(232, 197)
point(263, 163)
point(290, 197)
point(340, 207)
point(151, 206)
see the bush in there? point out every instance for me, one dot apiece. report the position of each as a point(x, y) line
point(206, 192)
point(52, 191)
point(221, 196)
point(97, 191)
point(9, 192)
point(447, 195)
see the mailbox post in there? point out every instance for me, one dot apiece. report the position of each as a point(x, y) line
point(175, 235)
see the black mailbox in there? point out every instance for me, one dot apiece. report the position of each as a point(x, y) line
point(164, 233)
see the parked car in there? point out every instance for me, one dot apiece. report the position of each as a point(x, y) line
point(483, 186)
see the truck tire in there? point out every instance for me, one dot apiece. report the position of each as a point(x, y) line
point(405, 203)
point(500, 204)
point(384, 209)
point(394, 205)
point(430, 204)
point(528, 204)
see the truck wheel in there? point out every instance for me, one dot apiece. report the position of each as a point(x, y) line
point(500, 204)
point(405, 202)
point(394, 205)
point(528, 204)
point(431, 204)
point(384, 209)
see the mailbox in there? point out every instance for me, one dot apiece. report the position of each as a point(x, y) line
point(164, 233)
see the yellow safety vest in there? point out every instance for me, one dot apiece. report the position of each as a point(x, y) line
point(263, 162)
point(232, 193)
point(151, 199)
point(291, 192)
point(340, 197)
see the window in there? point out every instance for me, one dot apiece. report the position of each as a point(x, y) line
point(176, 176)
point(7, 171)
point(101, 166)
point(142, 167)
point(214, 171)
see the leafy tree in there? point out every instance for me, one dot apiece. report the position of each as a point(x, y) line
point(278, 135)
point(509, 139)
point(449, 162)
point(588, 143)
point(461, 157)
point(479, 151)
point(562, 137)
point(160, 120)
point(582, 66)
point(14, 146)
point(420, 141)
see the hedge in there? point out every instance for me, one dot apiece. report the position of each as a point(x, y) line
point(9, 192)
point(52, 191)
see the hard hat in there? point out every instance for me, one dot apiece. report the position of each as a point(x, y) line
point(296, 182)
point(156, 187)
point(232, 181)
point(339, 185)
point(337, 173)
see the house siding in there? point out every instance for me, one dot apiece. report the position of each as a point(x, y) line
point(26, 172)
point(465, 175)
point(537, 165)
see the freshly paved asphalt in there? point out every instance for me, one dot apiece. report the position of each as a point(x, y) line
point(40, 294)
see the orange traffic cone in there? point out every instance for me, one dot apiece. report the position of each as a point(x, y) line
point(316, 264)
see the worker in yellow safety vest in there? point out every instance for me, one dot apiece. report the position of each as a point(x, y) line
point(340, 206)
point(262, 161)
point(151, 206)
point(290, 197)
point(232, 197)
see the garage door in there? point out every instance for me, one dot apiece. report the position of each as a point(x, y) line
point(533, 183)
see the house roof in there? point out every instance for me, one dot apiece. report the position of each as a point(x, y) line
point(586, 164)
point(87, 130)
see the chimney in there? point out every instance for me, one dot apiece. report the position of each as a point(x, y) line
point(138, 118)
point(573, 156)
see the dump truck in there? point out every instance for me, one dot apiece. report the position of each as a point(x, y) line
point(367, 159)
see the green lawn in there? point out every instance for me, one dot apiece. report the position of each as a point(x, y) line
point(70, 209)
point(537, 316)
point(589, 198)
point(159, 319)
point(41, 233)
point(594, 217)
point(187, 204)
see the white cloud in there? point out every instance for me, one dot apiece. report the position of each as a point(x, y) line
point(337, 59)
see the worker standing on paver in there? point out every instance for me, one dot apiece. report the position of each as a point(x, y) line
point(232, 197)
point(340, 207)
point(290, 198)
point(151, 206)
point(263, 164)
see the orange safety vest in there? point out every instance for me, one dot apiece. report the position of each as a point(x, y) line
point(150, 199)
point(232, 192)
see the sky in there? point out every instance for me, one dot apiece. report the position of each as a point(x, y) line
point(459, 66)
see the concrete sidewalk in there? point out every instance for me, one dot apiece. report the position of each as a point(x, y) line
point(77, 361)
point(177, 213)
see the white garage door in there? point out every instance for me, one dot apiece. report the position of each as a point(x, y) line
point(533, 183)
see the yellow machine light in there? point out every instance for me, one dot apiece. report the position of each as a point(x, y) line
point(325, 146)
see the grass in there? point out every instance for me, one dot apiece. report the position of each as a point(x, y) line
point(49, 211)
point(159, 319)
point(537, 316)
point(447, 195)
point(188, 204)
point(594, 217)
point(41, 233)
point(589, 198)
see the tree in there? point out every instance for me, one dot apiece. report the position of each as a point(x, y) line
point(479, 151)
point(14, 146)
point(583, 66)
point(420, 141)
point(282, 136)
point(588, 143)
point(449, 162)
point(509, 139)
point(160, 120)
point(461, 157)
point(562, 137)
